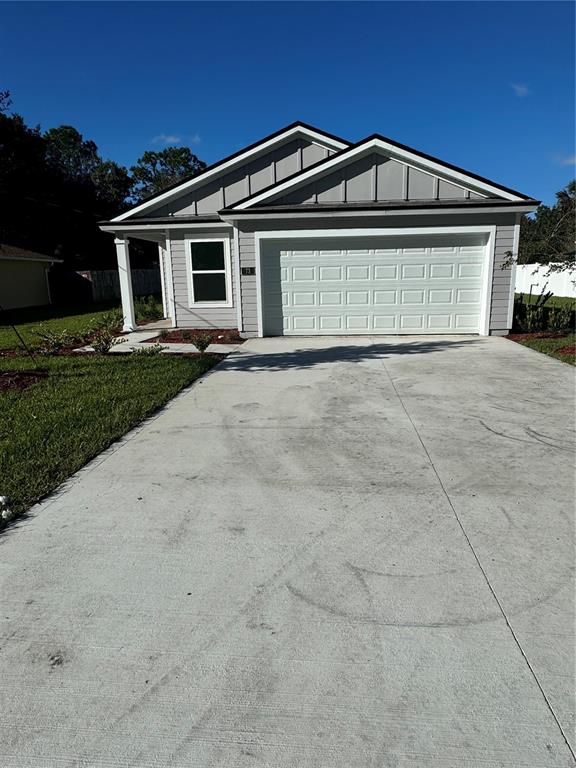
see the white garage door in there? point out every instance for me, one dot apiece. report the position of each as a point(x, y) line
point(359, 285)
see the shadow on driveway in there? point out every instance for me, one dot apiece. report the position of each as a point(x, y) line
point(309, 357)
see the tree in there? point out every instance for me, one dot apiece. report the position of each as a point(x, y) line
point(70, 154)
point(550, 236)
point(112, 183)
point(155, 171)
point(5, 101)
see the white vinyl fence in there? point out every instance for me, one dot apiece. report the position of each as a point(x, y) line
point(534, 278)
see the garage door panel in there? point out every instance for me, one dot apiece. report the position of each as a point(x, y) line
point(433, 287)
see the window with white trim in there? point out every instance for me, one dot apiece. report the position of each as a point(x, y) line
point(209, 273)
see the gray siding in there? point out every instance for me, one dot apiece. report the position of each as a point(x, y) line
point(205, 317)
point(375, 178)
point(253, 176)
point(500, 279)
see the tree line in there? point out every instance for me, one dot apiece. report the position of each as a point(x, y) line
point(55, 187)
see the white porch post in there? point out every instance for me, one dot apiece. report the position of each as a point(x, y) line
point(161, 261)
point(125, 276)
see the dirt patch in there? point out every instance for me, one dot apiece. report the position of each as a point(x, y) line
point(537, 335)
point(188, 335)
point(18, 380)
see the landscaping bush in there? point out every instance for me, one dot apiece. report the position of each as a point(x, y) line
point(560, 318)
point(153, 349)
point(202, 342)
point(52, 342)
point(148, 308)
point(533, 315)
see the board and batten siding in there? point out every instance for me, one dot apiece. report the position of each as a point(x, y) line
point(201, 317)
point(375, 178)
point(251, 177)
point(501, 277)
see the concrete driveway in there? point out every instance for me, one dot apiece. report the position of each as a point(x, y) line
point(327, 554)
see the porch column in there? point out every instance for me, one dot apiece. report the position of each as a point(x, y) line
point(162, 263)
point(123, 257)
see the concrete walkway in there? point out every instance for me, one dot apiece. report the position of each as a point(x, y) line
point(327, 554)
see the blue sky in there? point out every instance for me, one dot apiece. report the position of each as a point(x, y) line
point(488, 86)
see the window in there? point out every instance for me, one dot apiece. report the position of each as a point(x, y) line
point(209, 273)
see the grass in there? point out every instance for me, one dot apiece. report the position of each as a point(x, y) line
point(553, 301)
point(76, 320)
point(51, 429)
point(550, 347)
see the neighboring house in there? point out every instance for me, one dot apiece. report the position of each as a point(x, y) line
point(23, 277)
point(304, 233)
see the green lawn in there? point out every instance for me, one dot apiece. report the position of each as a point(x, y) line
point(76, 320)
point(553, 301)
point(550, 347)
point(54, 427)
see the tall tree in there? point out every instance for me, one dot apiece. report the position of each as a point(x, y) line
point(112, 183)
point(550, 236)
point(69, 153)
point(155, 171)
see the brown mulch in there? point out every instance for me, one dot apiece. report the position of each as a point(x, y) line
point(569, 349)
point(187, 336)
point(537, 335)
point(18, 380)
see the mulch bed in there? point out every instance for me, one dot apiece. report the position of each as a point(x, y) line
point(569, 349)
point(187, 336)
point(537, 335)
point(18, 380)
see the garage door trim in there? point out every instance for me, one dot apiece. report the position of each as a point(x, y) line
point(489, 230)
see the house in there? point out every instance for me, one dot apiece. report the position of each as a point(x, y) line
point(24, 277)
point(304, 233)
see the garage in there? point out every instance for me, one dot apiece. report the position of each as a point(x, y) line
point(423, 284)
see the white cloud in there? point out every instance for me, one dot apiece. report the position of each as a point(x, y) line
point(520, 90)
point(565, 159)
point(195, 139)
point(166, 139)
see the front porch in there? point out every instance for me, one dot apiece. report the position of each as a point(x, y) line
point(122, 242)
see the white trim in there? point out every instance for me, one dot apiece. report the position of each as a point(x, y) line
point(489, 230)
point(238, 279)
point(134, 226)
point(250, 215)
point(237, 160)
point(226, 272)
point(391, 151)
point(170, 274)
point(515, 244)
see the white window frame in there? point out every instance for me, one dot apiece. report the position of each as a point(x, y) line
point(227, 271)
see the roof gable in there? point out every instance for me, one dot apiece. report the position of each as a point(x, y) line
point(233, 163)
point(424, 169)
point(373, 178)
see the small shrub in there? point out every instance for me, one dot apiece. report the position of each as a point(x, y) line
point(51, 342)
point(164, 334)
point(103, 340)
point(560, 318)
point(202, 342)
point(153, 349)
point(186, 336)
point(534, 318)
point(148, 308)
